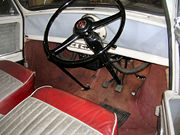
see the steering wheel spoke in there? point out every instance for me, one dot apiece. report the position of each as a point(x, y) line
point(106, 21)
point(83, 28)
point(66, 43)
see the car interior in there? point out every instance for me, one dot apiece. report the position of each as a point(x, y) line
point(82, 67)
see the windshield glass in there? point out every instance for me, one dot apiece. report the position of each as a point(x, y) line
point(150, 6)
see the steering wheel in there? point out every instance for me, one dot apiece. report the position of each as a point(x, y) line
point(84, 29)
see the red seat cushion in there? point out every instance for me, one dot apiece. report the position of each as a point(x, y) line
point(25, 76)
point(86, 111)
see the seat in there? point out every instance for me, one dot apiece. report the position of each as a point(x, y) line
point(16, 83)
point(53, 111)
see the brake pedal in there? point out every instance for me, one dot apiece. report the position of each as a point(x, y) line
point(119, 88)
point(106, 83)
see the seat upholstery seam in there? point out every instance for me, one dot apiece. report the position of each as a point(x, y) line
point(19, 109)
point(70, 116)
point(41, 118)
point(29, 78)
point(27, 117)
point(52, 120)
point(58, 124)
point(22, 84)
point(115, 123)
point(45, 86)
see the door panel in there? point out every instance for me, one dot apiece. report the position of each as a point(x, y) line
point(11, 31)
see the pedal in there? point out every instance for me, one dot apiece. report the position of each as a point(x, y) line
point(133, 93)
point(118, 88)
point(106, 83)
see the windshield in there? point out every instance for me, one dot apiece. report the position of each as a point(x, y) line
point(151, 6)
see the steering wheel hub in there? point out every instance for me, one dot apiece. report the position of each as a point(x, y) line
point(81, 24)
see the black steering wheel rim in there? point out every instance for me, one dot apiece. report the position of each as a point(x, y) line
point(81, 62)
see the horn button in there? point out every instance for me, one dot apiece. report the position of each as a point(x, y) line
point(82, 26)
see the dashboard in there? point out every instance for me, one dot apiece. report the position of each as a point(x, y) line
point(144, 36)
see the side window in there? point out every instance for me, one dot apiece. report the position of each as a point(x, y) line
point(7, 8)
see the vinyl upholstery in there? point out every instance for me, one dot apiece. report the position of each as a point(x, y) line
point(9, 84)
point(36, 117)
point(86, 111)
point(53, 111)
point(17, 83)
point(47, 110)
